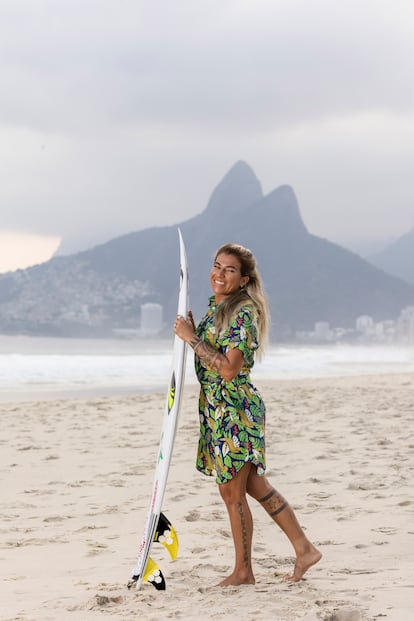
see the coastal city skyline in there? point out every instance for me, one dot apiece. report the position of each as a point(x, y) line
point(365, 331)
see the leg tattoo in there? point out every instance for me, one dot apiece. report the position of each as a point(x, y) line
point(285, 504)
point(273, 503)
point(244, 534)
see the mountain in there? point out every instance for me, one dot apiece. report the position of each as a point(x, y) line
point(307, 278)
point(364, 247)
point(397, 259)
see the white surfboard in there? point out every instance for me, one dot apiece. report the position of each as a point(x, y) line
point(157, 526)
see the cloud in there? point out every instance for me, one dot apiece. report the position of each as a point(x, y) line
point(86, 63)
point(130, 111)
point(18, 251)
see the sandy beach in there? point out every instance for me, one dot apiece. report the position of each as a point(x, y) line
point(76, 477)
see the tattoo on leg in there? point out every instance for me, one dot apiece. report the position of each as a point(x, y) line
point(244, 534)
point(273, 502)
point(269, 495)
point(285, 504)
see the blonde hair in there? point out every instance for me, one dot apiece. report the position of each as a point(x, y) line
point(252, 293)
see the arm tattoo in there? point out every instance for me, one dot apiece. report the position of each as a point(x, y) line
point(213, 358)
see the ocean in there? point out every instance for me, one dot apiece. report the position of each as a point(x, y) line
point(35, 367)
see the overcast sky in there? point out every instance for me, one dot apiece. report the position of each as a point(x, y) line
point(117, 115)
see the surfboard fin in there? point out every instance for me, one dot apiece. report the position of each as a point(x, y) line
point(152, 574)
point(166, 535)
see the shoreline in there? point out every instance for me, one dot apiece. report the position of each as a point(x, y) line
point(56, 372)
point(86, 392)
point(74, 393)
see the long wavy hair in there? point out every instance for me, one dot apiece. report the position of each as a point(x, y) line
point(252, 292)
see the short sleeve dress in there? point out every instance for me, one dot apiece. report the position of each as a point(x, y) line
point(232, 413)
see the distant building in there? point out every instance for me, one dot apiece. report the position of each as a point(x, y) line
point(151, 319)
point(322, 331)
point(406, 325)
point(380, 331)
point(386, 331)
point(366, 330)
point(365, 324)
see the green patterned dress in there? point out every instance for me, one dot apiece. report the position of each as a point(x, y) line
point(232, 413)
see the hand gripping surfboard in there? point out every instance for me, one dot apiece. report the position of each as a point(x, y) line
point(157, 527)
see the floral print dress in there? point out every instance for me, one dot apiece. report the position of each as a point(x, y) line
point(232, 413)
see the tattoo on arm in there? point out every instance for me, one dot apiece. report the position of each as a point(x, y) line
point(208, 354)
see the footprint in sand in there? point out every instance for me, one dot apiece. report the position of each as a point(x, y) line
point(355, 572)
point(104, 600)
point(197, 551)
point(99, 601)
point(193, 516)
point(96, 548)
point(178, 498)
point(385, 530)
point(55, 518)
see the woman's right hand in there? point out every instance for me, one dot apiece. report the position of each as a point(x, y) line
point(185, 328)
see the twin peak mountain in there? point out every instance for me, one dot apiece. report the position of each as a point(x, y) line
point(307, 279)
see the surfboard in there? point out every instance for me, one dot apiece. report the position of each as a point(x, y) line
point(157, 526)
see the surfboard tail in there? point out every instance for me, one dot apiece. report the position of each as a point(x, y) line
point(166, 535)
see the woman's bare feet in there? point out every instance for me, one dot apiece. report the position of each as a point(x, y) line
point(303, 562)
point(236, 579)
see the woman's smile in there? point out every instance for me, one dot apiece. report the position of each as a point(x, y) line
point(225, 276)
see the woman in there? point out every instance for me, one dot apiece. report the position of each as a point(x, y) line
point(232, 413)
